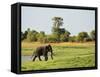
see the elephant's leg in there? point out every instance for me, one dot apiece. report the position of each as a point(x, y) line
point(39, 58)
point(46, 58)
point(34, 58)
point(52, 56)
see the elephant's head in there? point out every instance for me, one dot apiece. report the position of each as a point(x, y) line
point(49, 49)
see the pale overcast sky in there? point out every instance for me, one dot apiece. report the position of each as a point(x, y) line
point(40, 19)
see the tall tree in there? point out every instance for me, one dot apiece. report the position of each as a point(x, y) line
point(57, 22)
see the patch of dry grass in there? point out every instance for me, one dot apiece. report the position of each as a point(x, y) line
point(36, 44)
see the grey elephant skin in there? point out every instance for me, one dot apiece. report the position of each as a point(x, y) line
point(42, 51)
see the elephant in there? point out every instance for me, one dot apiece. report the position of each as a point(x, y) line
point(42, 51)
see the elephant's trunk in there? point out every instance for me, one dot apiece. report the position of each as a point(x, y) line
point(51, 52)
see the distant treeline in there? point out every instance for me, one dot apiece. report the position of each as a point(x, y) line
point(58, 34)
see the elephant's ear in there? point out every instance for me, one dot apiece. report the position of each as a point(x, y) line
point(45, 50)
point(51, 51)
point(50, 47)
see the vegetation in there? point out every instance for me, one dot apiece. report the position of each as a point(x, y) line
point(69, 51)
point(92, 35)
point(58, 34)
point(66, 55)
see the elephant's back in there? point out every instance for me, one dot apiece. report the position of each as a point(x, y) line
point(40, 50)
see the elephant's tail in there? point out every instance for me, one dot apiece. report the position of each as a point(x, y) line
point(32, 55)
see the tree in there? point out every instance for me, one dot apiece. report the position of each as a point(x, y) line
point(25, 34)
point(57, 22)
point(81, 36)
point(31, 35)
point(22, 36)
point(34, 33)
point(65, 36)
point(67, 33)
point(51, 39)
point(92, 35)
point(41, 37)
point(72, 39)
point(87, 39)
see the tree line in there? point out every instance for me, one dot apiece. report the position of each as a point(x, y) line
point(58, 34)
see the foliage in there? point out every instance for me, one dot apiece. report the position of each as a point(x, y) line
point(92, 35)
point(81, 36)
point(65, 36)
point(58, 21)
point(56, 31)
point(24, 35)
point(31, 35)
point(58, 34)
point(61, 35)
point(72, 39)
point(41, 37)
point(51, 39)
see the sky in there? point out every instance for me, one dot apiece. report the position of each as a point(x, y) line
point(40, 19)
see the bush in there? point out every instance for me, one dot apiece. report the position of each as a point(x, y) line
point(51, 39)
point(81, 36)
point(63, 38)
point(87, 39)
point(41, 37)
point(92, 35)
point(72, 39)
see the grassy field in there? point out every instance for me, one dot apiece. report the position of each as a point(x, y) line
point(66, 55)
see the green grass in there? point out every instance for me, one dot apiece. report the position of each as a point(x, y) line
point(64, 57)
